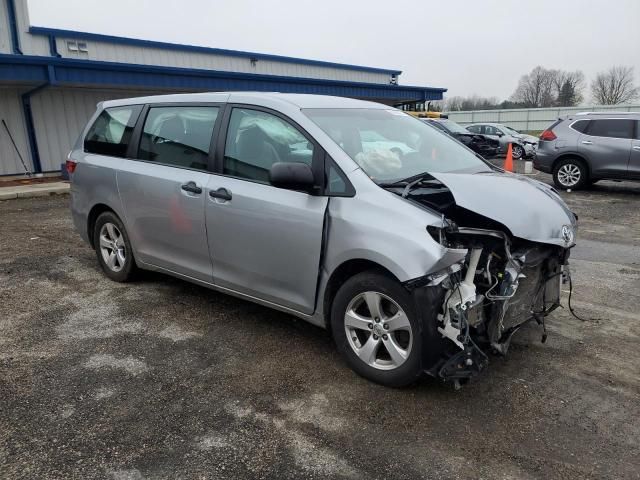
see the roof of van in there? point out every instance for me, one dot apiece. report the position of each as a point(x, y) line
point(298, 100)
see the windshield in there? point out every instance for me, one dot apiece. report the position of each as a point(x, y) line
point(390, 145)
point(454, 127)
point(510, 130)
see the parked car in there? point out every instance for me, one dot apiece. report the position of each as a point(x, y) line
point(521, 148)
point(581, 149)
point(485, 146)
point(419, 256)
point(525, 136)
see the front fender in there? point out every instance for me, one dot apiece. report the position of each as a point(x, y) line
point(387, 230)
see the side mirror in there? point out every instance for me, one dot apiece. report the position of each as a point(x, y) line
point(500, 134)
point(292, 176)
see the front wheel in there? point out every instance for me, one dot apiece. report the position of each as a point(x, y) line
point(517, 152)
point(376, 329)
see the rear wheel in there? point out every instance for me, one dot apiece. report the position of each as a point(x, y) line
point(376, 329)
point(113, 248)
point(570, 173)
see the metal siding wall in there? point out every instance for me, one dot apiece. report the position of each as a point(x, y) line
point(5, 35)
point(532, 119)
point(29, 44)
point(11, 112)
point(110, 52)
point(59, 115)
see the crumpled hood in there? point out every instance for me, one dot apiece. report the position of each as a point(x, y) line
point(528, 208)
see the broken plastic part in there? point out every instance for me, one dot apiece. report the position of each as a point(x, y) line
point(458, 300)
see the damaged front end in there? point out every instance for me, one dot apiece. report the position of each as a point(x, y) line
point(502, 285)
point(504, 282)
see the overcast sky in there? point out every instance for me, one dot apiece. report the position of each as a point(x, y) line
point(470, 47)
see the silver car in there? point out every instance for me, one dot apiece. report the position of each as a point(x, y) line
point(578, 150)
point(416, 254)
point(523, 146)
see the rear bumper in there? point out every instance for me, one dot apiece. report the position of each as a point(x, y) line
point(543, 161)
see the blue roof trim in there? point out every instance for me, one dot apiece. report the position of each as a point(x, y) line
point(87, 72)
point(23, 72)
point(192, 48)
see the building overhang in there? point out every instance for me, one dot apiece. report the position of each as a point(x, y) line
point(34, 70)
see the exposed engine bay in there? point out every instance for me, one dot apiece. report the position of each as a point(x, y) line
point(503, 282)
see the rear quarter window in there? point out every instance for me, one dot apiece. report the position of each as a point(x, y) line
point(111, 132)
point(580, 125)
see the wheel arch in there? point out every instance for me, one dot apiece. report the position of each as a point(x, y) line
point(341, 274)
point(94, 213)
point(568, 155)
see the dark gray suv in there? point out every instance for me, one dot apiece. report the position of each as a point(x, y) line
point(583, 148)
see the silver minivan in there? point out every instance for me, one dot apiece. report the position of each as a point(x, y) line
point(420, 257)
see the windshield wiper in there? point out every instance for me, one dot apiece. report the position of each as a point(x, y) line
point(405, 181)
point(408, 182)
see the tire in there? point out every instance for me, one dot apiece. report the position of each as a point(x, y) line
point(389, 356)
point(113, 248)
point(517, 151)
point(570, 173)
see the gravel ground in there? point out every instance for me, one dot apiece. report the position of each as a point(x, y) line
point(163, 379)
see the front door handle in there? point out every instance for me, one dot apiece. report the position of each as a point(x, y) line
point(191, 187)
point(221, 193)
point(587, 142)
point(637, 147)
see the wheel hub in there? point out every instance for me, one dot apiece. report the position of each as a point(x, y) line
point(378, 330)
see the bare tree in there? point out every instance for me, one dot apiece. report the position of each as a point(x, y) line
point(452, 104)
point(537, 88)
point(458, 103)
point(614, 86)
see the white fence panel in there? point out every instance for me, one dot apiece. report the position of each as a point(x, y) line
point(532, 119)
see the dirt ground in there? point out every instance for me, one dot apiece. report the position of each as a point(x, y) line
point(162, 379)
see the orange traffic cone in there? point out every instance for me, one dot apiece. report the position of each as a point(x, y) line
point(508, 161)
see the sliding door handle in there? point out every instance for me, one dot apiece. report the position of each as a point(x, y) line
point(221, 193)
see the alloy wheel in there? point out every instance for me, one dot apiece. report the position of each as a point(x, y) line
point(378, 330)
point(569, 175)
point(517, 152)
point(112, 247)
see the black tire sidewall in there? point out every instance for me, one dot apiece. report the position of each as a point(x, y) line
point(411, 369)
point(129, 270)
point(584, 175)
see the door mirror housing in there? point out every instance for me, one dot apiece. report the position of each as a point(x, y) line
point(292, 176)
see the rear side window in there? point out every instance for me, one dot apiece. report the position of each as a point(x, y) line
point(111, 133)
point(613, 128)
point(580, 125)
point(178, 136)
point(474, 128)
point(256, 140)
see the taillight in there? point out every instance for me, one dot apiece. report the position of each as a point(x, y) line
point(548, 135)
point(71, 166)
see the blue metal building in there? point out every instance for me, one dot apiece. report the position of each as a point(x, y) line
point(51, 81)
